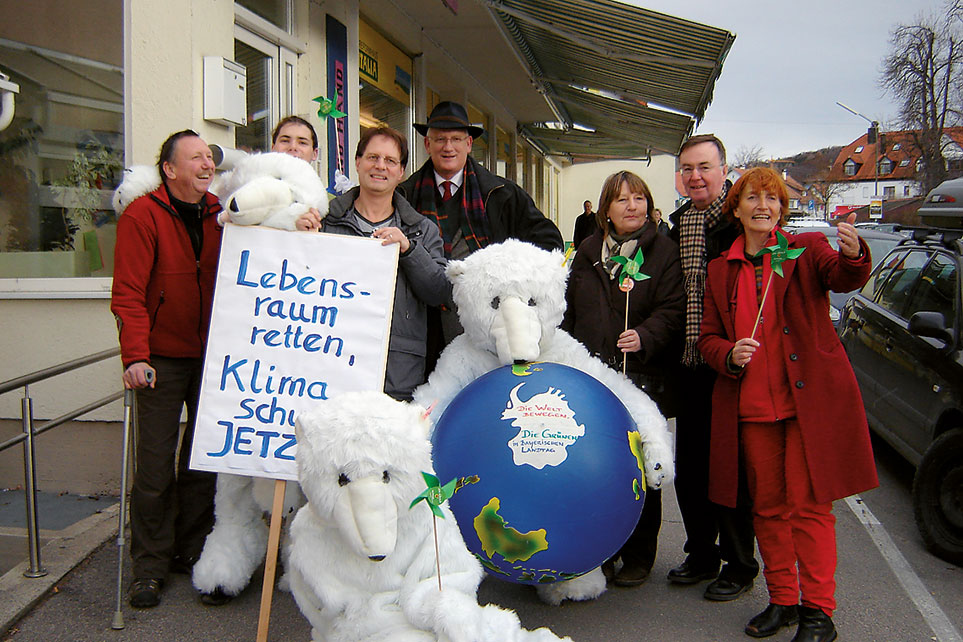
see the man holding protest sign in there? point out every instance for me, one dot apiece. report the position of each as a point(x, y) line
point(164, 267)
point(375, 209)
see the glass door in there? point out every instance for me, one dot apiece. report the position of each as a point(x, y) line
point(271, 82)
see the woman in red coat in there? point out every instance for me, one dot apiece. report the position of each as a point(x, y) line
point(786, 406)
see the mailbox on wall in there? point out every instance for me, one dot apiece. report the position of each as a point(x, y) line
point(225, 91)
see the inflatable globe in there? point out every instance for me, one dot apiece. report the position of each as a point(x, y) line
point(549, 470)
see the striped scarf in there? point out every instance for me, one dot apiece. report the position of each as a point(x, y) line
point(474, 221)
point(692, 246)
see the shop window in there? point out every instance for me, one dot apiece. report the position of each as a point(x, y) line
point(62, 154)
point(385, 72)
point(480, 145)
point(506, 166)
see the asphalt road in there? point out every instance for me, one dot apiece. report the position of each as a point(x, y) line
point(889, 589)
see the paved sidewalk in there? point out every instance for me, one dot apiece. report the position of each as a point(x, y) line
point(80, 606)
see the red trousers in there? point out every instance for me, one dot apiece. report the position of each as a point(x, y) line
point(796, 535)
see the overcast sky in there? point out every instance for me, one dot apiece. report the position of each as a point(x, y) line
point(791, 62)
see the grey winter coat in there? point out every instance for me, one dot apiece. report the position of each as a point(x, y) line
point(421, 282)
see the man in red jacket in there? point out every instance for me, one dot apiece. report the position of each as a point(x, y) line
point(164, 267)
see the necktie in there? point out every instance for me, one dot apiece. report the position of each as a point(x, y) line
point(448, 192)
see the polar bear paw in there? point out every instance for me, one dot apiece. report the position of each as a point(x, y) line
point(581, 588)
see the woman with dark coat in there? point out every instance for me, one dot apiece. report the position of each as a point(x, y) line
point(596, 316)
point(786, 405)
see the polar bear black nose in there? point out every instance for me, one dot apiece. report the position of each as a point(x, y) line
point(376, 558)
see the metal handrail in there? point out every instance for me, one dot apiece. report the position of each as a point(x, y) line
point(53, 371)
point(29, 432)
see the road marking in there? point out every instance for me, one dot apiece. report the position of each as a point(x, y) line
point(912, 584)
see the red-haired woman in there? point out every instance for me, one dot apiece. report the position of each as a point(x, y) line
point(786, 406)
point(595, 315)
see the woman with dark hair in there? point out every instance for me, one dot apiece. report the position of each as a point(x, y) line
point(786, 407)
point(648, 341)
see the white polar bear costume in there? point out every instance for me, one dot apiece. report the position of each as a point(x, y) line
point(511, 298)
point(271, 190)
point(361, 564)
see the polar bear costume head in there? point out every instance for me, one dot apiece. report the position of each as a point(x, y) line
point(360, 457)
point(510, 298)
point(270, 189)
point(138, 180)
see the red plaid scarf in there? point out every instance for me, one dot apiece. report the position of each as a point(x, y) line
point(474, 223)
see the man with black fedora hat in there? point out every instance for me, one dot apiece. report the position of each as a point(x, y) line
point(472, 207)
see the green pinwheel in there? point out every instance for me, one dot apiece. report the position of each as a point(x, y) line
point(631, 267)
point(780, 252)
point(326, 107)
point(435, 494)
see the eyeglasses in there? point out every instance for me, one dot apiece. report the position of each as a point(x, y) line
point(441, 141)
point(374, 159)
point(704, 168)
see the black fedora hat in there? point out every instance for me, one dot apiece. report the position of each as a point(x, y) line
point(449, 115)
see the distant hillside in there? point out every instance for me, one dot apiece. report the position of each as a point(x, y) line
point(807, 165)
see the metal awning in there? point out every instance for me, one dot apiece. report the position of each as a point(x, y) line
point(622, 81)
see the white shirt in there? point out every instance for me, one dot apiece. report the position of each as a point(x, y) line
point(456, 181)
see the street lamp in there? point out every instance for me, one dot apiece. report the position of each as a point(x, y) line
point(872, 136)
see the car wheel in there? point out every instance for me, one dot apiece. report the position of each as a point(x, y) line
point(938, 497)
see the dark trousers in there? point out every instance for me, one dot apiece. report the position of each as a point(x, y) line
point(641, 547)
point(171, 512)
point(705, 521)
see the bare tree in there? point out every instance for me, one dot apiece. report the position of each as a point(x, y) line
point(923, 70)
point(748, 157)
point(825, 190)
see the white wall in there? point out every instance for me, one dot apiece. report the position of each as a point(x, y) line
point(853, 193)
point(583, 182)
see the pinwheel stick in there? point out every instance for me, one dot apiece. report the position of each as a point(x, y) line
point(625, 355)
point(762, 304)
point(434, 527)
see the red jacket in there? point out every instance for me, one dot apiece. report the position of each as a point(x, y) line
point(161, 295)
point(828, 404)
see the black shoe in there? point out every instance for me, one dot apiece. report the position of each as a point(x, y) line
point(771, 620)
point(689, 573)
point(216, 598)
point(814, 626)
point(724, 590)
point(632, 575)
point(145, 592)
point(608, 570)
point(183, 564)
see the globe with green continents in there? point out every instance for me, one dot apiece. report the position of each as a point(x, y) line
point(548, 467)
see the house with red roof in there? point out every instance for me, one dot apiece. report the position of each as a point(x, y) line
point(894, 173)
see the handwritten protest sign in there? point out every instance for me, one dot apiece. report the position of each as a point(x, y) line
point(298, 318)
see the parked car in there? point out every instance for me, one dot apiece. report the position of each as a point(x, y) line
point(897, 228)
point(880, 243)
point(902, 332)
